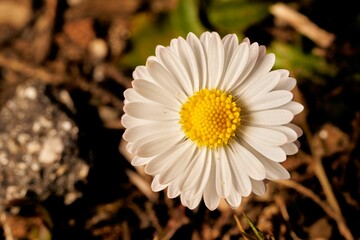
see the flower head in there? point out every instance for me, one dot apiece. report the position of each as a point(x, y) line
point(210, 119)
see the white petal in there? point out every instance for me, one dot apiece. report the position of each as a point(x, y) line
point(263, 135)
point(157, 146)
point(173, 189)
point(156, 94)
point(234, 199)
point(235, 66)
point(287, 83)
point(260, 85)
point(176, 69)
point(164, 79)
point(252, 59)
point(246, 40)
point(135, 133)
point(211, 198)
point(262, 52)
point(241, 180)
point(189, 62)
point(156, 186)
point(252, 165)
point(269, 100)
point(264, 62)
point(174, 46)
point(205, 39)
point(132, 96)
point(290, 148)
point(158, 162)
point(175, 168)
point(223, 179)
point(291, 135)
point(195, 167)
point(139, 161)
point(230, 42)
point(161, 138)
point(191, 204)
point(272, 152)
point(151, 58)
point(199, 54)
point(150, 111)
point(293, 107)
point(269, 117)
point(274, 170)
point(284, 73)
point(150, 139)
point(297, 129)
point(130, 148)
point(141, 72)
point(215, 60)
point(258, 187)
point(130, 122)
point(261, 68)
point(157, 53)
point(202, 178)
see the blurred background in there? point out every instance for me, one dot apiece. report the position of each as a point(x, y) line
point(64, 172)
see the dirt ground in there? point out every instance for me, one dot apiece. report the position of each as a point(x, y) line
point(64, 171)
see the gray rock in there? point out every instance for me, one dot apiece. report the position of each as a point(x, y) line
point(38, 147)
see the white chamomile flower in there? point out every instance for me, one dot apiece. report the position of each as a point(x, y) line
point(210, 120)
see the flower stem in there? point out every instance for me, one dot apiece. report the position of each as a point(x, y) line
point(326, 186)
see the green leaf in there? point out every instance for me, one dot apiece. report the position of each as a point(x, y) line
point(186, 18)
point(259, 235)
point(236, 16)
point(149, 30)
point(302, 64)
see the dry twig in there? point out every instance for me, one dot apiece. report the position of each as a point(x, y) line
point(344, 230)
point(43, 28)
point(302, 24)
point(326, 186)
point(47, 77)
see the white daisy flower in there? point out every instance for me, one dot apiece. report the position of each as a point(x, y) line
point(210, 120)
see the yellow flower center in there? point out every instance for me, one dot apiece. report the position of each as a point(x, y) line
point(210, 118)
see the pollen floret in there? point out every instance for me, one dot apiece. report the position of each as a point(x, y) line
point(210, 117)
